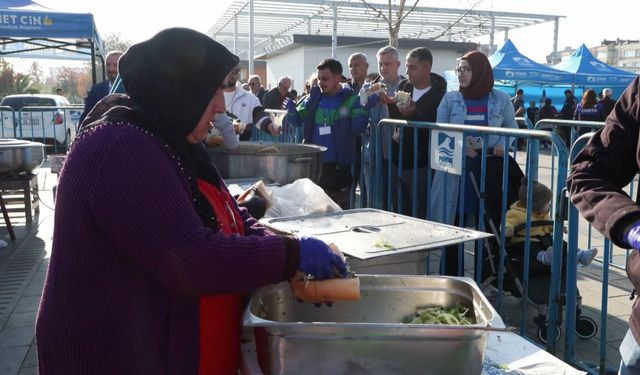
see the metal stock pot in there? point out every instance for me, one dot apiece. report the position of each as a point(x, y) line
point(20, 156)
point(281, 162)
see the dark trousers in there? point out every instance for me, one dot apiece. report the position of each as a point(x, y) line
point(357, 167)
point(336, 181)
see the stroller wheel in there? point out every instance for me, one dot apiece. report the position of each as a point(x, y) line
point(542, 333)
point(586, 327)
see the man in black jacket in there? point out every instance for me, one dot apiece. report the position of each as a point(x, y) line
point(274, 98)
point(426, 90)
point(607, 103)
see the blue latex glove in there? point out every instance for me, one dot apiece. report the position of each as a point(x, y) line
point(290, 105)
point(317, 259)
point(372, 101)
point(632, 237)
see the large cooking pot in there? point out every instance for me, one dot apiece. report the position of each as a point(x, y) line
point(20, 156)
point(281, 162)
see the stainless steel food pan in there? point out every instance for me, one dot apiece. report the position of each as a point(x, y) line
point(369, 336)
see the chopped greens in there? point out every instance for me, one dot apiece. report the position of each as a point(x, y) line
point(456, 315)
point(383, 244)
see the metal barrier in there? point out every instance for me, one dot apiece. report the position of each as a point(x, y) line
point(383, 179)
point(290, 133)
point(7, 121)
point(55, 127)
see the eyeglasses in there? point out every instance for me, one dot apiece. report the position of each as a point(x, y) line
point(462, 69)
point(252, 83)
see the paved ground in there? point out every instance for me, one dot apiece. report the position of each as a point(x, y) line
point(23, 267)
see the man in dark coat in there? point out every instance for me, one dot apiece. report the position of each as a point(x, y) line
point(274, 98)
point(102, 89)
point(426, 90)
point(606, 102)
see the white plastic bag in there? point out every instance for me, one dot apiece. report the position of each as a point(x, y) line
point(302, 197)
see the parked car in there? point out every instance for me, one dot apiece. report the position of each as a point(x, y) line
point(25, 116)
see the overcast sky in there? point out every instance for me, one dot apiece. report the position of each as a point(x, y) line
point(586, 21)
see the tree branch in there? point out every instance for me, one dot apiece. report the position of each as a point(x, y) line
point(379, 12)
point(457, 21)
point(413, 7)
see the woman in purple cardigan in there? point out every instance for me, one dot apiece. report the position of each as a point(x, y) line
point(150, 254)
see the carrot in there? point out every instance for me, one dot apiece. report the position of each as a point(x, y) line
point(325, 290)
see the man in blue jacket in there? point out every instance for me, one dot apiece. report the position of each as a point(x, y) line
point(102, 89)
point(331, 116)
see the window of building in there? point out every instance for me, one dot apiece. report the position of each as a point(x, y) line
point(629, 53)
point(602, 55)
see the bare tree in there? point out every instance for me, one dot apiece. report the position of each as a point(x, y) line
point(35, 71)
point(115, 42)
point(394, 20)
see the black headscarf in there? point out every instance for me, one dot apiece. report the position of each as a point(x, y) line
point(481, 76)
point(170, 80)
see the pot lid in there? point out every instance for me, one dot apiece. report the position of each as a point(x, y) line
point(369, 233)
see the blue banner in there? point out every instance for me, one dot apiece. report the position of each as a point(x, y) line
point(43, 24)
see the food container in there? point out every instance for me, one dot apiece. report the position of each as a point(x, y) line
point(368, 336)
point(20, 156)
point(280, 162)
point(377, 241)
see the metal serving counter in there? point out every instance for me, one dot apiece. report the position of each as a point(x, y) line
point(506, 353)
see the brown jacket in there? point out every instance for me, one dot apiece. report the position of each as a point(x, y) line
point(599, 173)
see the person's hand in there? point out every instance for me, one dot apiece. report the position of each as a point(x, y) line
point(407, 110)
point(508, 231)
point(318, 260)
point(372, 101)
point(471, 152)
point(386, 99)
point(274, 130)
point(498, 150)
point(632, 236)
point(289, 104)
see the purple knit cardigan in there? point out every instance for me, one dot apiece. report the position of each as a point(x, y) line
point(131, 257)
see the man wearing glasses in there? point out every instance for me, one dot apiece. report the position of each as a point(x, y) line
point(275, 97)
point(255, 84)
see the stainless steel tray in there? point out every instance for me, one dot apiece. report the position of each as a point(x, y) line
point(369, 336)
point(363, 233)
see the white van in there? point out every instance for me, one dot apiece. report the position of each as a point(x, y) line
point(25, 116)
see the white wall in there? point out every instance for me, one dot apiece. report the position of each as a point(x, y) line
point(300, 62)
point(289, 64)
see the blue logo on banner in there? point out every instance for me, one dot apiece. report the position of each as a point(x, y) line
point(446, 146)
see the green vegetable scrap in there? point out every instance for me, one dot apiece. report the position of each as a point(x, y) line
point(456, 315)
point(383, 244)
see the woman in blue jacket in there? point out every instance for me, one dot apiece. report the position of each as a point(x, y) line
point(475, 103)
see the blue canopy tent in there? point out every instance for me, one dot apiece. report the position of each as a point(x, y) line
point(26, 26)
point(590, 71)
point(515, 68)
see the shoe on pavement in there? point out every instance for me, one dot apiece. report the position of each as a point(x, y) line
point(585, 257)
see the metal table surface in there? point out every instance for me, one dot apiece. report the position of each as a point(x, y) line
point(506, 353)
point(371, 233)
